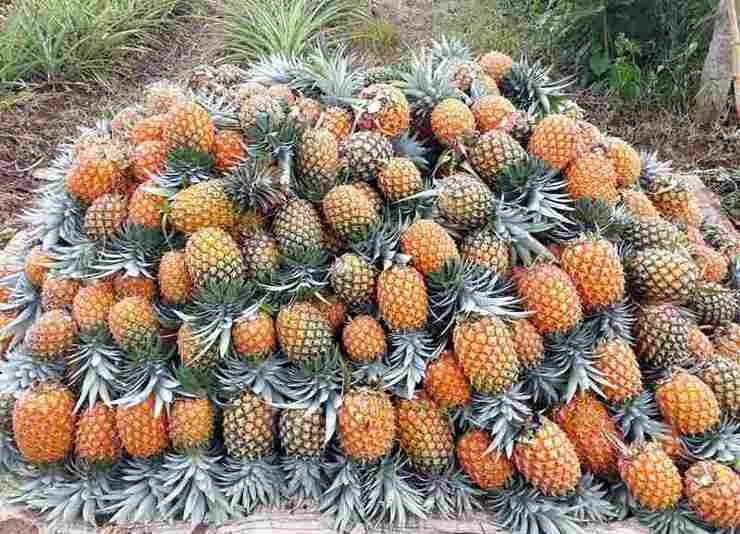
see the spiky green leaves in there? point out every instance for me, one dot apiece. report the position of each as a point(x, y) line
point(254, 186)
point(406, 361)
point(135, 252)
point(184, 168)
point(503, 416)
point(529, 87)
point(264, 377)
point(94, 368)
point(251, 483)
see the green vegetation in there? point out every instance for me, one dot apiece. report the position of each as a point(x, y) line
point(78, 39)
point(255, 28)
point(378, 35)
point(637, 49)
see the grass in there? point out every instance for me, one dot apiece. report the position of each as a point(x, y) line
point(48, 40)
point(379, 35)
point(256, 28)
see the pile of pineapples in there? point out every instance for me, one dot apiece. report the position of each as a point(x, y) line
point(426, 289)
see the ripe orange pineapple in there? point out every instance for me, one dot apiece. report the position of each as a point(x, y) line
point(489, 471)
point(677, 203)
point(491, 111)
point(547, 291)
point(202, 205)
point(618, 365)
point(52, 335)
point(90, 178)
point(402, 298)
point(555, 140)
point(700, 348)
point(494, 152)
point(713, 492)
point(496, 64)
point(334, 311)
point(146, 208)
point(592, 176)
point(228, 150)
point(425, 434)
point(148, 129)
point(446, 382)
point(306, 111)
point(688, 404)
point(651, 476)
point(452, 122)
point(364, 339)
point(97, 439)
point(282, 92)
point(191, 423)
point(143, 434)
point(106, 216)
point(350, 211)
point(132, 322)
point(387, 110)
point(712, 266)
point(587, 423)
point(485, 249)
point(727, 341)
point(149, 159)
point(671, 443)
point(626, 161)
point(367, 424)
point(134, 286)
point(547, 459)
point(161, 97)
point(638, 205)
point(485, 349)
point(303, 331)
point(59, 293)
point(254, 336)
point(596, 270)
point(175, 285)
point(429, 245)
point(36, 266)
point(212, 256)
point(400, 178)
point(91, 306)
point(189, 126)
point(338, 121)
point(44, 423)
point(528, 343)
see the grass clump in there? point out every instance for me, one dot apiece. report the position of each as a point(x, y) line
point(378, 35)
point(77, 39)
point(258, 28)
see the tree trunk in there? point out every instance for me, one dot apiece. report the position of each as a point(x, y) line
point(716, 77)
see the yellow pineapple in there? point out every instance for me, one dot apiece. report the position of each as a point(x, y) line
point(364, 339)
point(592, 176)
point(52, 335)
point(387, 110)
point(367, 424)
point(452, 122)
point(134, 286)
point(550, 294)
point(528, 343)
point(429, 245)
point(254, 336)
point(402, 298)
point(36, 266)
point(626, 161)
point(651, 476)
point(191, 423)
point(618, 364)
point(303, 331)
point(175, 285)
point(713, 492)
point(555, 140)
point(145, 207)
point(96, 439)
point(91, 306)
point(491, 111)
point(688, 404)
point(143, 433)
point(59, 293)
point(149, 159)
point(496, 64)
point(400, 178)
point(489, 470)
point(202, 205)
point(425, 434)
point(189, 126)
point(595, 268)
point(212, 256)
point(133, 323)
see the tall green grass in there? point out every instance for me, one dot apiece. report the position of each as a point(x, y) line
point(77, 39)
point(255, 28)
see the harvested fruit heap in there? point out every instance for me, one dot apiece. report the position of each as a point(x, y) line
point(382, 293)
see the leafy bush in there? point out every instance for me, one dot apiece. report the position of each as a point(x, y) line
point(52, 39)
point(378, 34)
point(256, 28)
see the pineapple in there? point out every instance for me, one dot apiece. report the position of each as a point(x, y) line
point(106, 216)
point(550, 294)
point(494, 152)
point(364, 339)
point(228, 150)
point(58, 293)
point(282, 93)
point(303, 331)
point(249, 427)
point(353, 279)
point(367, 154)
point(592, 176)
point(528, 343)
point(202, 205)
point(145, 208)
point(261, 254)
point(671, 444)
point(713, 304)
point(192, 351)
point(318, 160)
point(676, 203)
point(424, 434)
point(712, 490)
point(123, 121)
point(402, 298)
point(249, 89)
point(617, 363)
point(485, 249)
point(91, 306)
point(700, 348)
point(658, 276)
point(148, 129)
point(687, 403)
point(149, 159)
point(350, 212)
point(399, 179)
point(555, 141)
point(491, 111)
point(367, 424)
point(466, 73)
point(253, 107)
point(429, 246)
point(387, 110)
point(711, 265)
point(44, 423)
point(546, 458)
point(452, 122)
point(338, 121)
point(489, 470)
point(485, 349)
point(586, 422)
point(662, 336)
point(496, 64)
point(302, 433)
point(36, 266)
point(652, 233)
point(134, 286)
point(722, 375)
point(297, 227)
point(52, 335)
point(91, 178)
point(161, 97)
point(306, 111)
point(638, 205)
point(464, 200)
point(175, 285)
point(446, 383)
point(213, 257)
point(191, 423)
point(143, 432)
point(651, 476)
point(595, 268)
point(133, 323)
point(254, 336)
point(727, 341)
point(626, 161)
point(189, 126)
point(96, 438)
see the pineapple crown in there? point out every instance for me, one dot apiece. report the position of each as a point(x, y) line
point(333, 78)
point(95, 361)
point(529, 87)
point(653, 169)
point(639, 419)
point(144, 492)
point(589, 501)
point(450, 49)
point(25, 303)
point(426, 83)
point(76, 256)
point(407, 359)
point(303, 274)
point(594, 217)
point(306, 479)
point(460, 289)
point(224, 110)
point(613, 322)
point(135, 252)
point(410, 146)
point(254, 186)
point(383, 240)
point(679, 518)
point(519, 228)
point(344, 499)
point(263, 376)
point(451, 493)
point(55, 214)
point(720, 444)
point(184, 168)
point(20, 371)
point(275, 69)
point(248, 484)
point(502, 416)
